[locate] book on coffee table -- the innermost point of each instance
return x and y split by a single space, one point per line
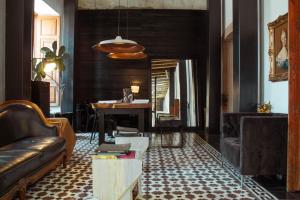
113 148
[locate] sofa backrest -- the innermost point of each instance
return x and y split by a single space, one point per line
231 122
18 121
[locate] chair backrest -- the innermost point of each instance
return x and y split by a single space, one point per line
19 120
231 122
168 121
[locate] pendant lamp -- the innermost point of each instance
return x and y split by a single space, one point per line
127 56
119 45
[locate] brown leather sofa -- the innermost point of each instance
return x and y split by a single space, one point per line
29 147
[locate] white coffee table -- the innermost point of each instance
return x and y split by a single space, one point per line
115 179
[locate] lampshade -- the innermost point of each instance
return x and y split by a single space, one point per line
127 56
118 45
135 89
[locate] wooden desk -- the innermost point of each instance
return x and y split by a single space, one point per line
103 109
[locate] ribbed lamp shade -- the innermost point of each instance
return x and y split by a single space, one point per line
127 56
118 45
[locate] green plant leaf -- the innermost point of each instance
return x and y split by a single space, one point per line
61 51
45 50
50 55
54 46
64 56
62 67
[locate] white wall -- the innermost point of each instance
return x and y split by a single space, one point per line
2 50
276 92
228 13
57 5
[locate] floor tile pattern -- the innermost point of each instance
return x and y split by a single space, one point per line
192 172
255 188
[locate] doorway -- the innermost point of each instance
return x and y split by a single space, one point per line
46 31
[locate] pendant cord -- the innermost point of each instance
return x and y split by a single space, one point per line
119 16
127 20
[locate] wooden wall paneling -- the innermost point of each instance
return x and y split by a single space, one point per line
165 34
293 165
176 34
19 27
214 67
245 58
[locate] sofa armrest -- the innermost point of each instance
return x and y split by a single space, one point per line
65 131
231 124
263 145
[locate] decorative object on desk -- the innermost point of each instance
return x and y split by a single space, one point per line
278 49
121 49
265 107
127 96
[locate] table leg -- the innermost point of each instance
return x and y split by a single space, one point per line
141 121
101 127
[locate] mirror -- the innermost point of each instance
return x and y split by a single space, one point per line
173 91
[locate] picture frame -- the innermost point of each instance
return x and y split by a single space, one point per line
278 49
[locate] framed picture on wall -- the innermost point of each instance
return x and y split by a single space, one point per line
278 49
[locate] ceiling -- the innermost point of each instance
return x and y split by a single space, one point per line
143 4
160 68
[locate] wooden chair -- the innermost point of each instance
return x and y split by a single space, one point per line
165 122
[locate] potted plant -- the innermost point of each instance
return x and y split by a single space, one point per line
53 60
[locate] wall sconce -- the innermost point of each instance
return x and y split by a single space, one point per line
135 89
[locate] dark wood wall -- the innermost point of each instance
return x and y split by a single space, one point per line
245 55
178 34
68 40
18 51
214 67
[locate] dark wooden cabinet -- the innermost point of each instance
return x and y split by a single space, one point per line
40 95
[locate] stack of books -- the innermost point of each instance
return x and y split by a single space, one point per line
114 151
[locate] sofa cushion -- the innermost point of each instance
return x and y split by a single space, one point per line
230 148
48 146
15 164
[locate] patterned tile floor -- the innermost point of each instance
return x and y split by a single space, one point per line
192 172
